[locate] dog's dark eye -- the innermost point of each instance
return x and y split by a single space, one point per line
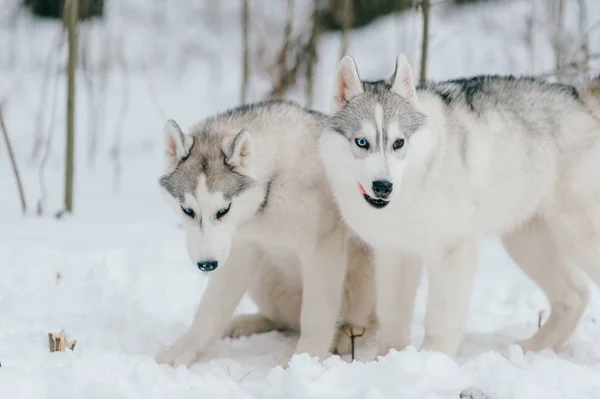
398 144
188 211
362 143
223 212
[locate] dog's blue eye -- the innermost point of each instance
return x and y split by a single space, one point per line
398 144
362 143
188 211
223 212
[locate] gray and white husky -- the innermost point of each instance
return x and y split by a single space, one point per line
258 215
423 173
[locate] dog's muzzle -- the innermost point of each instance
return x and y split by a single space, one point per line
208 266
374 202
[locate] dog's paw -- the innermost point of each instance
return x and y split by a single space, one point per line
311 350
248 324
285 363
184 351
532 344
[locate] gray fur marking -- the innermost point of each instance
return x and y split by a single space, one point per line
349 120
481 92
508 95
207 157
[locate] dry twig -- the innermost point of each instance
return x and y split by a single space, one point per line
349 331
13 162
59 342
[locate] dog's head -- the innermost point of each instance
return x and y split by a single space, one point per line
209 182
367 137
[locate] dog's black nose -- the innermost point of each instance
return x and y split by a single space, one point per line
208 266
382 188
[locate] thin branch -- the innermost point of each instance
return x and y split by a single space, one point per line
154 96
48 143
54 50
284 81
311 48
556 10
13 162
89 86
115 152
585 45
570 65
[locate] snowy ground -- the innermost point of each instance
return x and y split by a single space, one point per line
116 275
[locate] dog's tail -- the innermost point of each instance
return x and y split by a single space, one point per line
589 92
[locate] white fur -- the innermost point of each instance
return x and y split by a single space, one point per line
296 258
540 192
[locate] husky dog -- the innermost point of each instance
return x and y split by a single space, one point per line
423 173
259 216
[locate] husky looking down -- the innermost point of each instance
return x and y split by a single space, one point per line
259 216
423 173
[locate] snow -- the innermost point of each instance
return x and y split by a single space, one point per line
116 275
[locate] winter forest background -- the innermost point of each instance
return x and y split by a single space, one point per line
114 273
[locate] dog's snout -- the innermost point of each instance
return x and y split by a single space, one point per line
382 188
208 266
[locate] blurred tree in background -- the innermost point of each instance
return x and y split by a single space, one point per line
54 8
365 11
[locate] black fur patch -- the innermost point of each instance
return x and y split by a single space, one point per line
446 96
472 90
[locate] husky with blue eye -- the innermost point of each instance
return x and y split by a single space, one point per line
259 217
423 173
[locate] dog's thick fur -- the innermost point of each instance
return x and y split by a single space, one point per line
460 160
256 208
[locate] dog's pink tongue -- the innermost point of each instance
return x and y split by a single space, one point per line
362 189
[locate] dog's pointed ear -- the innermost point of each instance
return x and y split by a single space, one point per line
177 145
239 153
347 84
403 80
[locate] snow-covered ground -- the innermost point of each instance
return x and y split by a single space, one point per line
116 275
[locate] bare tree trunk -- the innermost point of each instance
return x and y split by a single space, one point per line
311 49
583 36
13 162
347 20
70 151
530 36
425 5
246 51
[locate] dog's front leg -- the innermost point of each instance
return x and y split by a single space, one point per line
397 277
322 293
450 286
225 289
